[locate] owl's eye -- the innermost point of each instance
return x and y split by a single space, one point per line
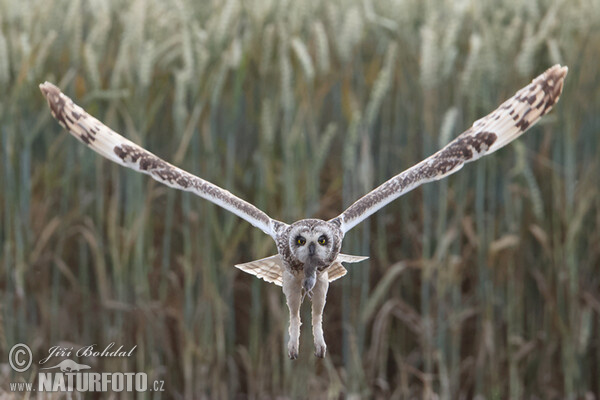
323 240
300 241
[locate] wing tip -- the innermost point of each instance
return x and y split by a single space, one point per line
555 78
557 69
48 88
56 101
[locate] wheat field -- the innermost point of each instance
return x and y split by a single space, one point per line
483 285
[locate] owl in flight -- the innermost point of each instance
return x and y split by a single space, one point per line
308 251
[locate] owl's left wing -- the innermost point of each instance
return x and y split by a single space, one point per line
115 147
488 134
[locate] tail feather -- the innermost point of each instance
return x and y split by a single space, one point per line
271 268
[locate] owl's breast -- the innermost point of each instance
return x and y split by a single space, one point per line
294 265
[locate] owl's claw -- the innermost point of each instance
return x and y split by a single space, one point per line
293 352
320 350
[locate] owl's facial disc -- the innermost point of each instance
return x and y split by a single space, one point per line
312 243
315 244
311 246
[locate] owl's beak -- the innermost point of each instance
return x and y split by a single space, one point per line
311 249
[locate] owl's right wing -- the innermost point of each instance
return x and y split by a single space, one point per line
116 148
488 134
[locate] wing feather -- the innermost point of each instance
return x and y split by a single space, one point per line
116 148
488 134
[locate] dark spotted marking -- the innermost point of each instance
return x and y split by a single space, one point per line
120 152
87 138
551 89
489 138
168 173
336 222
523 124
183 181
57 104
540 103
463 146
148 162
443 166
58 108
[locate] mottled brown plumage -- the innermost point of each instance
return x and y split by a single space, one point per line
309 250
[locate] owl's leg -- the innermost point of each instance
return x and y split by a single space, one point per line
292 288
318 304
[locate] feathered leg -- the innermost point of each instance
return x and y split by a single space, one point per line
292 288
318 304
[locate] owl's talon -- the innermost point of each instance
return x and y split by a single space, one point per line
320 350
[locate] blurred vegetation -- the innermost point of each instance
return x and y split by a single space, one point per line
486 283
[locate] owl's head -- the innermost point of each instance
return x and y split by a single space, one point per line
316 244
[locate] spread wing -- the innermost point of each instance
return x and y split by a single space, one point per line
115 147
488 134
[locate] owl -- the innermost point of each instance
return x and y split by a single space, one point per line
308 251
